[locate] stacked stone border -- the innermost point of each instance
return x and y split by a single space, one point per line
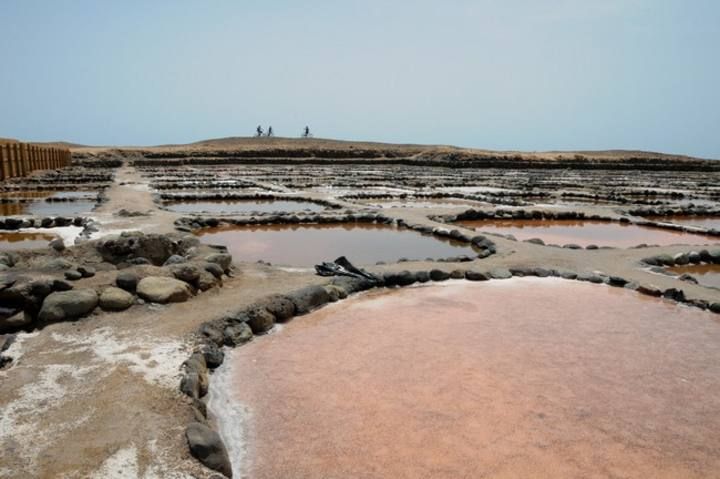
537 214
239 327
232 196
480 245
659 263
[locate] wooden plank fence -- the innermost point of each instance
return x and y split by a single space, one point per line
20 159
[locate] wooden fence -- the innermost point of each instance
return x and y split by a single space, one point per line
19 159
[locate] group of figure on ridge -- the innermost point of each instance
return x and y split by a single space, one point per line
259 132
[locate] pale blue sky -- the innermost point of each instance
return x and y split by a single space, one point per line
517 74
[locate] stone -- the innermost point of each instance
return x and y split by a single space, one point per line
714 307
617 281
57 244
61 285
649 290
439 275
471 275
665 260
537 241
174 259
212 333
196 364
127 280
214 269
237 334
422 276
542 272
260 320
206 281
185 272
16 322
500 273
214 356
681 259
207 447
308 298
457 274
65 305
86 271
282 308
674 294
73 275
694 257
115 299
222 259
159 289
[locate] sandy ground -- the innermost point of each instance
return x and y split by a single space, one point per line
98 397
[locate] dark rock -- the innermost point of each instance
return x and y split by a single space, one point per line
457 274
127 281
439 275
57 244
537 241
174 259
237 334
649 290
681 259
86 271
212 332
60 285
541 272
260 320
308 298
214 356
422 276
694 257
471 275
207 447
185 272
16 322
714 307
280 307
674 294
214 269
617 281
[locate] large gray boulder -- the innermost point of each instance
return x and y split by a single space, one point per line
159 289
65 305
207 447
115 299
222 259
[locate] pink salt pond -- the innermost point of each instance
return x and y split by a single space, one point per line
586 232
527 377
308 245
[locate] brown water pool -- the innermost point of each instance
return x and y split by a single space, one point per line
584 233
242 206
308 245
17 240
706 274
500 379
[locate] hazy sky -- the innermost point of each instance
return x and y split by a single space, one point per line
530 75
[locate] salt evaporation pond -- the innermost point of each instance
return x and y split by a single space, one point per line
527 377
706 274
242 206
424 203
587 232
308 245
81 202
19 240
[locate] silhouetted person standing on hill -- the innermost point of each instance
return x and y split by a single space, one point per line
306 132
270 132
259 131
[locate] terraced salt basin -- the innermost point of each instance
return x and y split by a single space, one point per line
706 274
71 203
587 232
242 206
526 377
311 244
20 240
